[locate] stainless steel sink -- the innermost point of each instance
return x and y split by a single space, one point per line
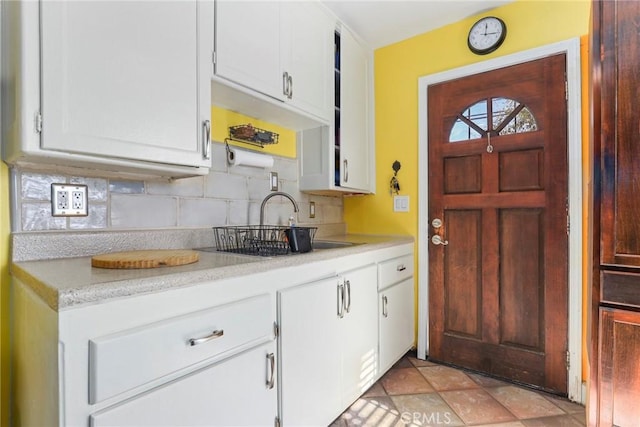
327 244
316 245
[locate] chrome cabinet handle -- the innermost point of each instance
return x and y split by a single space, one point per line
285 84
206 139
385 310
437 240
346 170
401 267
290 87
215 334
347 285
271 377
340 300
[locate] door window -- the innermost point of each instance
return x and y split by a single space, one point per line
507 116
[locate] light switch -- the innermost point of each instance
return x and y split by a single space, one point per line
274 181
401 203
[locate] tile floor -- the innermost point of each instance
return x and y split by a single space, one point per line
421 393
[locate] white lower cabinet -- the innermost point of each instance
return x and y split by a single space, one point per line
239 391
396 308
209 355
396 322
328 346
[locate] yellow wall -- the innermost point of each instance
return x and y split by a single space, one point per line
221 119
397 68
4 295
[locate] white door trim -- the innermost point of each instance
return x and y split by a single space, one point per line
571 48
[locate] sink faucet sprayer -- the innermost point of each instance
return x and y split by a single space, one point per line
270 195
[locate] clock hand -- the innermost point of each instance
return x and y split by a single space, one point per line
495 32
486 27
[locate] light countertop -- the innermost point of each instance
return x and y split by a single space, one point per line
66 282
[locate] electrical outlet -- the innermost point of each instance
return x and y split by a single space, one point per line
312 209
69 200
274 181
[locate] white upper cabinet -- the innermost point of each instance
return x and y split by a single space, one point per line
354 144
248 45
340 158
308 57
123 86
279 49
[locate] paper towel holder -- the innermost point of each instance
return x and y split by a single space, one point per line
238 157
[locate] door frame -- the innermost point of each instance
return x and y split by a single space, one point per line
571 48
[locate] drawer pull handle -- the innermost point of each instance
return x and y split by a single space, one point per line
347 306
340 300
272 369
401 267
215 334
385 309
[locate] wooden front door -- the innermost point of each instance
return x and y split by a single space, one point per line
498 255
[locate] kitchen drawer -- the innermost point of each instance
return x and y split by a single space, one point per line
128 359
394 270
620 288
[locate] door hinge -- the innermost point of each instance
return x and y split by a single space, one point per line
276 422
568 361
38 122
568 225
214 57
276 330
566 90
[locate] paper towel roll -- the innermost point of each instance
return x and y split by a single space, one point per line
237 157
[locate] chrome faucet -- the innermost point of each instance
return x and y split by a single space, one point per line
270 195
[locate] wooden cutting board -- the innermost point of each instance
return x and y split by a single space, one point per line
145 259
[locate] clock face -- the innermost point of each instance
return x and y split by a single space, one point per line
486 35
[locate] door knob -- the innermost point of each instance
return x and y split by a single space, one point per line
437 240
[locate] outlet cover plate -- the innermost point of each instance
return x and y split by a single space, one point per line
274 181
69 200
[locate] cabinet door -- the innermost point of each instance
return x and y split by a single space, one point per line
233 392
354 105
620 235
619 387
248 43
396 316
310 353
128 80
308 55
359 333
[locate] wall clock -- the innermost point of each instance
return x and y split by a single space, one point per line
486 35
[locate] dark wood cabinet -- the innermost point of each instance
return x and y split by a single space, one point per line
615 294
619 388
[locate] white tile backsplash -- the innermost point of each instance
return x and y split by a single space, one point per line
186 187
97 219
238 212
226 186
227 196
37 216
37 186
202 212
125 187
143 211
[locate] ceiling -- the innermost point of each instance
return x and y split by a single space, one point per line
383 22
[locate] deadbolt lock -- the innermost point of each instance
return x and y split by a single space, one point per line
436 223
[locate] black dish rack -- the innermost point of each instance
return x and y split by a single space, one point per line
264 240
